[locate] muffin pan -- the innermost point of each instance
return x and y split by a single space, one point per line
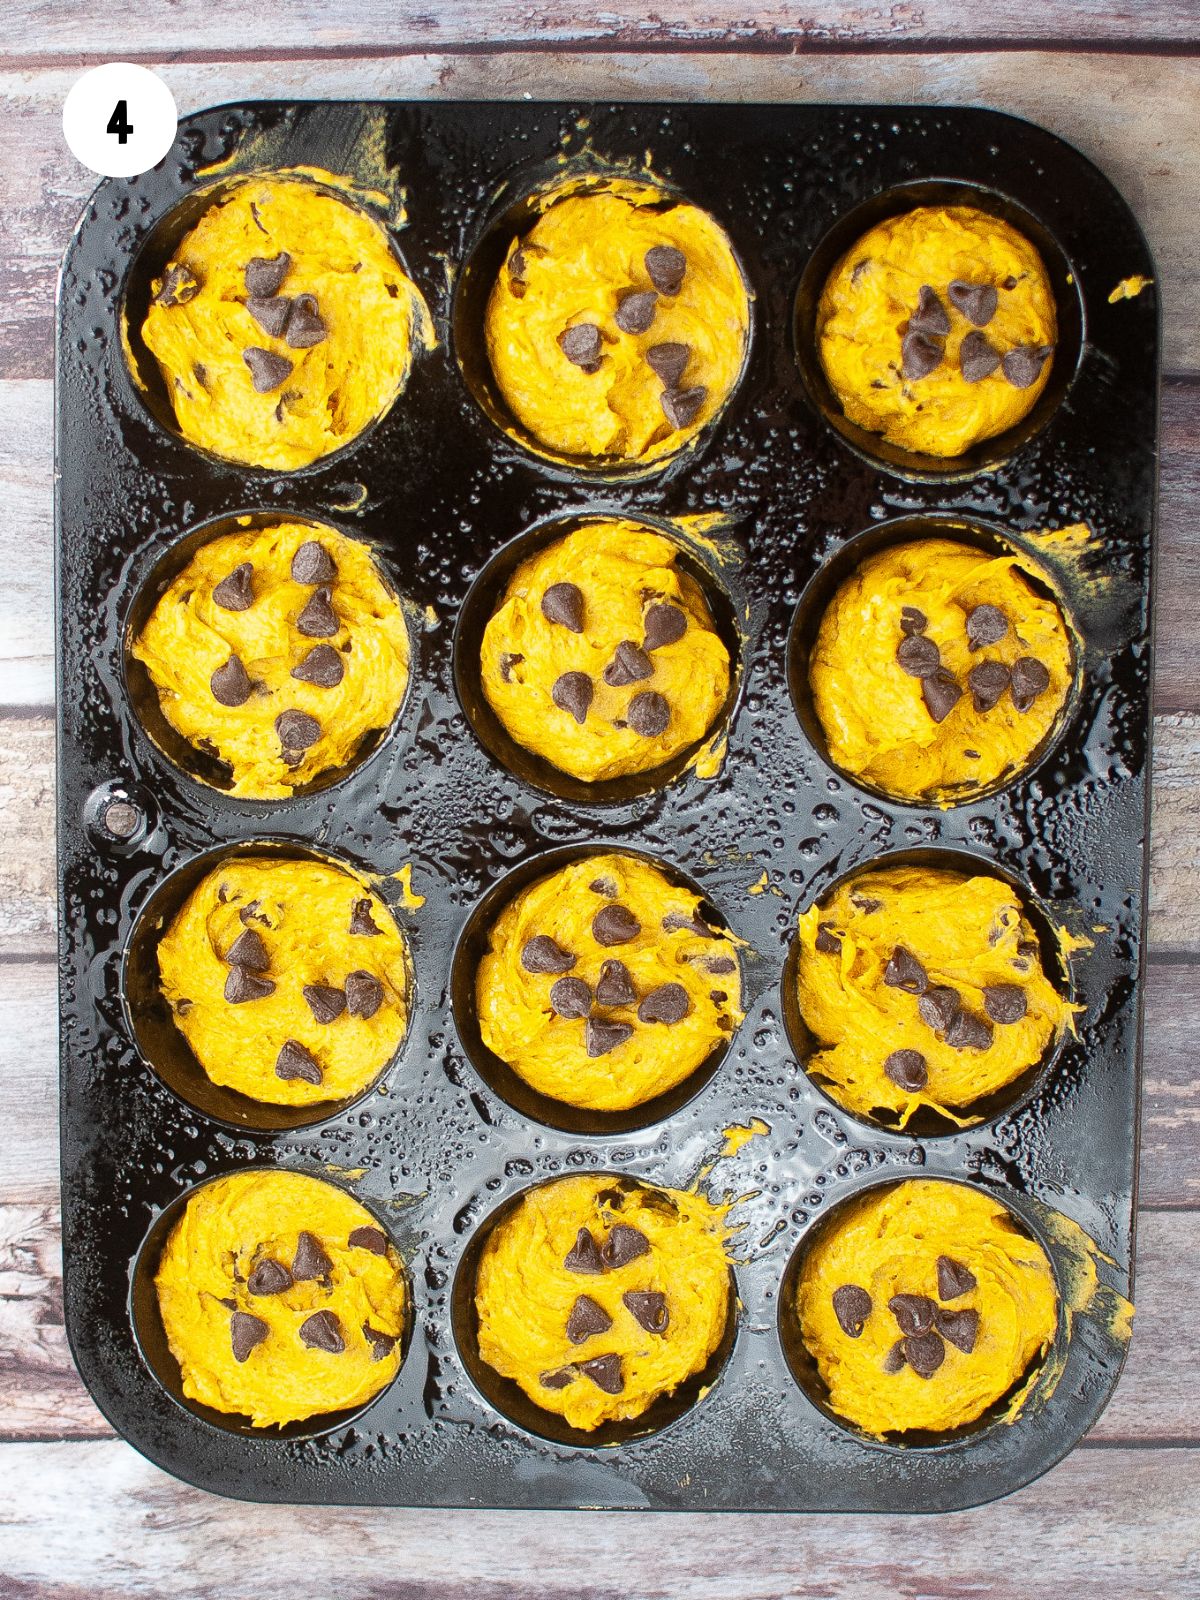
440 491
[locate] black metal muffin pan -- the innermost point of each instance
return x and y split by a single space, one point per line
439 490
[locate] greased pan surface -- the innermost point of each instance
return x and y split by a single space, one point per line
437 489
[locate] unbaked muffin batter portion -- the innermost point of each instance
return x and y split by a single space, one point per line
924 1304
288 978
617 326
939 669
597 1296
937 329
277 649
283 324
281 1297
602 656
923 987
603 986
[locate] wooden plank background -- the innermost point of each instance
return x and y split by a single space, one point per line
80 1513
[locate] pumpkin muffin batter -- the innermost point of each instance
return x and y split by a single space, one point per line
278 649
602 657
923 987
938 669
281 1297
937 329
597 1296
289 979
617 326
283 324
923 1304
603 986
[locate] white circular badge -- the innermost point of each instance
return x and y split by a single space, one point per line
119 119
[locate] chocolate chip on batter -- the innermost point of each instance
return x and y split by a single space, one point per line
938 1007
248 950
907 1069
1029 680
719 964
615 924
917 655
230 684
245 1332
913 620
668 361
675 921
629 664
615 986
905 972
582 345
267 370
269 1277
865 902
852 1307
978 358
986 624
305 326
323 1331
649 714
313 564
518 263
322 666
666 266
681 406
941 692
573 692
364 994
297 730
667 1004
913 1312
265 274
563 603
976 301
271 315
587 1319
382 1344
920 355
987 682
953 1278
648 1308
605 1372
294 1061
325 1002
895 1360
924 1353
605 887
179 285
310 1260
318 620
372 1239
969 1032
931 316
663 624
623 1245
508 661
361 921
584 1255
241 986
544 954
635 311
827 941
234 592
961 1328
1005 1002
601 1037
571 998
1023 366
559 1379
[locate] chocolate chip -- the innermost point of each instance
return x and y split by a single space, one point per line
245 1332
507 662
953 1278
1029 680
265 274
563 603
907 1069
318 620
648 1308
663 624
986 624
269 1277
961 1328
605 1373
719 964
267 370
178 287
912 620
230 684
271 315
895 1360
322 665
913 1312
604 886
969 1032
939 1007
573 693
668 361
865 903
920 355
382 1344
544 954
930 317
917 655
248 950
1023 366
924 1353
241 986
976 301
615 986
852 1307
827 941
325 1002
323 1331
668 1004
681 406
1005 1002
587 1319
649 714
987 681
666 266
294 1061
623 1245
310 1260
674 921
372 1239
584 1255
581 345
234 593
615 924
518 263
297 730
364 994
977 357
313 564
905 972
559 1379
601 1037
571 998
635 312
305 326
629 664
941 692
361 920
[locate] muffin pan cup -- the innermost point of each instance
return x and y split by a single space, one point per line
438 490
